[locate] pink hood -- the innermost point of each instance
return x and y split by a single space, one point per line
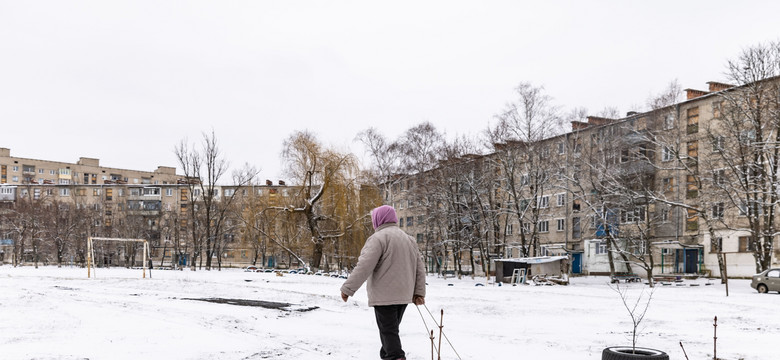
383 215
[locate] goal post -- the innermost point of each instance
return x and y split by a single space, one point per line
91 252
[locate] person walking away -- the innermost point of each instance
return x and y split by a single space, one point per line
391 262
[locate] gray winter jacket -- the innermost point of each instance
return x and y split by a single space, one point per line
391 262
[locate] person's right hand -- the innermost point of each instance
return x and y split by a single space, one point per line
418 300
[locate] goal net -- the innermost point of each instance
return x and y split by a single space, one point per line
91 252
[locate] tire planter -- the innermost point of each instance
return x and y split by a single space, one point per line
629 353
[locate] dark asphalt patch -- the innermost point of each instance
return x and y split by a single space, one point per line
258 303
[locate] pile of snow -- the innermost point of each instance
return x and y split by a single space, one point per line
58 313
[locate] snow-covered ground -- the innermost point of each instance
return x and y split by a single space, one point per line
58 313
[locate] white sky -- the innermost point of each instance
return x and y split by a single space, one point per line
125 81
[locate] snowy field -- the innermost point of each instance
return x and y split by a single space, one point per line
53 313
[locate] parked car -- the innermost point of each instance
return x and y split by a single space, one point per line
767 281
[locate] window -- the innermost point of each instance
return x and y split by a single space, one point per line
509 229
401 222
624 155
717 210
525 227
64 192
36 194
15 169
544 226
151 191
168 192
576 232
419 238
667 184
752 207
196 192
561 148
95 192
719 177
669 122
401 204
523 204
692 221
746 244
664 214
524 180
560 200
693 120
6 190
230 192
544 202
410 221
109 194
15 179
634 215
561 224
576 206
693 150
419 220
40 171
773 274
717 143
667 154
747 137
601 247
716 245
693 187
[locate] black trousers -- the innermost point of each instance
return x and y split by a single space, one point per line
388 318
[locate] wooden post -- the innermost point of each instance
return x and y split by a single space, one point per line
441 325
144 260
715 340
432 345
726 273
89 256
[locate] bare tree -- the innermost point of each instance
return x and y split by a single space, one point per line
204 168
745 155
522 155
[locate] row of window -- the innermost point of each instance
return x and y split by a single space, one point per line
409 221
542 226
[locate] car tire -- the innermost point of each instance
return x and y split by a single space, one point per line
762 289
629 353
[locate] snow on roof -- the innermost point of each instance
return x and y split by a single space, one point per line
534 260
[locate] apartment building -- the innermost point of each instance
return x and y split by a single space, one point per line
154 205
657 178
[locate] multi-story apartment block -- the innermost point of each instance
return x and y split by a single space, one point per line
154 205
663 189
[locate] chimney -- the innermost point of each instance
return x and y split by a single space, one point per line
281 183
693 93
578 125
631 113
716 86
269 183
5 152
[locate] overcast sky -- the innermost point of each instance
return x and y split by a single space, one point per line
126 81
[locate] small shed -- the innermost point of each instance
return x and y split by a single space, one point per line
542 265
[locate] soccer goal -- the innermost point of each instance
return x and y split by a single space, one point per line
91 252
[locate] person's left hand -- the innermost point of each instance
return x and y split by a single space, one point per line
344 297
